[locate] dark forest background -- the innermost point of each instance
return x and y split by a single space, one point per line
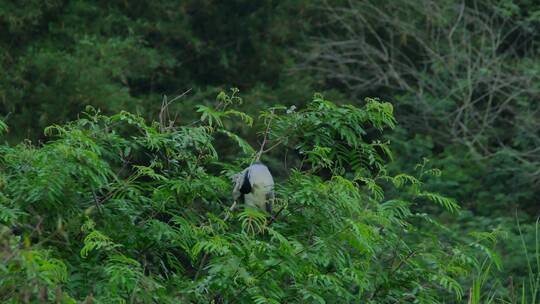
463 78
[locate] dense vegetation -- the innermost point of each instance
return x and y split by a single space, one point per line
116 155
115 208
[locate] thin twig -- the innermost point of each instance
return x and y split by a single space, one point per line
164 111
391 273
266 132
273 219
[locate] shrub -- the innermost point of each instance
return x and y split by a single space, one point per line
115 209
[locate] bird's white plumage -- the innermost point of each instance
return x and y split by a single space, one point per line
262 186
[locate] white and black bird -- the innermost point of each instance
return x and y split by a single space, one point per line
254 186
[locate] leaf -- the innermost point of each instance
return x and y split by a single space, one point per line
243 116
3 127
96 240
253 221
244 145
447 203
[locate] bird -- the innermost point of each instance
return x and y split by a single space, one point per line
254 187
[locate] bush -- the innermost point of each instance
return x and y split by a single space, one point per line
115 209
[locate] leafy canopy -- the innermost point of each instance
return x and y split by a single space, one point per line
115 209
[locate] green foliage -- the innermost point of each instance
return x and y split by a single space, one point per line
125 55
3 127
463 78
136 210
467 99
114 209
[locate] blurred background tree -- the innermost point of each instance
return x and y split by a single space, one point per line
58 56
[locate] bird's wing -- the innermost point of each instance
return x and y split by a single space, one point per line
238 180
